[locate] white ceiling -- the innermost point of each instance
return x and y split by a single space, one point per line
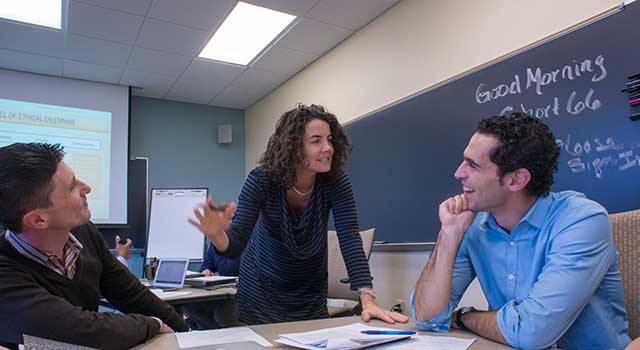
152 45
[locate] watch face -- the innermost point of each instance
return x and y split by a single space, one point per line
466 309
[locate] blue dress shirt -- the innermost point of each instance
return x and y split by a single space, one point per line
219 263
554 279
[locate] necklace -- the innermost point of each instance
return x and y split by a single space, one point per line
302 193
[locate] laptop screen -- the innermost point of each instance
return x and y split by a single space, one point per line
171 272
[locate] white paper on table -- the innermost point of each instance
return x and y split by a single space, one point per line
166 295
429 342
288 342
344 337
219 336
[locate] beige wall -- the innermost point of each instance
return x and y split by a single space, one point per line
414 45
395 274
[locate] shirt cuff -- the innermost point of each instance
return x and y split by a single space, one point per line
123 261
440 323
508 321
159 321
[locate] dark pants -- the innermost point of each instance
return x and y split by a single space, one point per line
212 315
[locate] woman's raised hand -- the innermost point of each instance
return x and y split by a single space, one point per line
213 219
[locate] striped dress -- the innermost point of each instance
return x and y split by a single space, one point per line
283 273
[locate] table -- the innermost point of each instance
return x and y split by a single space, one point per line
197 295
271 332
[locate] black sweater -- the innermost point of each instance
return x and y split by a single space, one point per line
37 301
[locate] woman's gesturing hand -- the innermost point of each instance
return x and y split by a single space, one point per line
213 219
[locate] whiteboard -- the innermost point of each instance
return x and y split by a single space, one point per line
170 234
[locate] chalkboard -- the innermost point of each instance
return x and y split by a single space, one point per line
137 192
404 156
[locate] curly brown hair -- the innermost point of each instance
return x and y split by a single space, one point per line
285 150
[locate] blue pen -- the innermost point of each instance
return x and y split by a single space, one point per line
389 332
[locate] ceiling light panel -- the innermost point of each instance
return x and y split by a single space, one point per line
47 13
245 33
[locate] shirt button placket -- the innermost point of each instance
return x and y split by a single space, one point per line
511 277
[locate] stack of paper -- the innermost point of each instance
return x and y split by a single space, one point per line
339 338
206 281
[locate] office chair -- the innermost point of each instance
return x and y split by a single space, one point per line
626 234
342 300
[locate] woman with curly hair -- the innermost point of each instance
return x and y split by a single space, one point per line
281 224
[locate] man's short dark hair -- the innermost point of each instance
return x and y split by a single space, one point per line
26 170
524 142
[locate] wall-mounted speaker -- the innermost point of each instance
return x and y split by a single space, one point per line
224 133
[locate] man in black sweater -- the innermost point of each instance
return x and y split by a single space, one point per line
54 264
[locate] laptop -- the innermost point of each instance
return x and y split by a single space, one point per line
170 274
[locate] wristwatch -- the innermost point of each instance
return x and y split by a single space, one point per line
461 311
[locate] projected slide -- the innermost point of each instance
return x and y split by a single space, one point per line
85 135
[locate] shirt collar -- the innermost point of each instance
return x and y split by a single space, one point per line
535 216
26 249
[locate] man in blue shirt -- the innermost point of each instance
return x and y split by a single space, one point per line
215 315
546 262
224 266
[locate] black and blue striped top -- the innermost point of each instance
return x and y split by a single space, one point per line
283 273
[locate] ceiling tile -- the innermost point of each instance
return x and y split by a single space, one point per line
170 37
102 34
313 37
202 14
252 85
23 37
283 60
203 69
167 64
153 85
93 72
203 80
138 7
80 48
99 22
293 7
30 63
147 93
259 80
232 97
351 14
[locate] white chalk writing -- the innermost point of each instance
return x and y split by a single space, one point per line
536 79
599 157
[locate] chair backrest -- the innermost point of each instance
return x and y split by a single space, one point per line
338 270
626 234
